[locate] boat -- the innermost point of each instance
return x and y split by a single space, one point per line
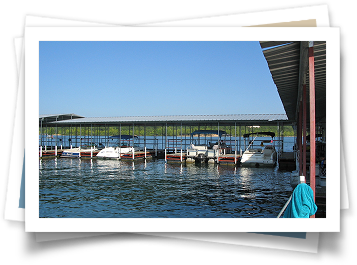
80 152
263 154
87 149
123 146
205 153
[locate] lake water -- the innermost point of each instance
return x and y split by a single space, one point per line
94 188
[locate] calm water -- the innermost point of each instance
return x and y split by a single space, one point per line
74 188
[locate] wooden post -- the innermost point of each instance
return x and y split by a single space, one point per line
312 118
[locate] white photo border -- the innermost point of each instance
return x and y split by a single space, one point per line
33 35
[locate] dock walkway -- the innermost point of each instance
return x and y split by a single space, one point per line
176 157
136 155
228 159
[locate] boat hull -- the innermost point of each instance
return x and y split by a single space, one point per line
114 152
259 164
79 153
110 153
258 160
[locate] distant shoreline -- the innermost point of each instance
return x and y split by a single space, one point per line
183 135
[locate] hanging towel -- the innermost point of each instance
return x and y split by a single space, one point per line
302 203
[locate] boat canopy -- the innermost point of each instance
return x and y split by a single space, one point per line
209 132
271 134
123 137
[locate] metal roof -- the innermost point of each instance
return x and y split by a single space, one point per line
288 64
58 117
260 119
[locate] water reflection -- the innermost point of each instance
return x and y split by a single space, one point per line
94 188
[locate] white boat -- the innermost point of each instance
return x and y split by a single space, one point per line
261 155
205 153
119 147
201 154
79 152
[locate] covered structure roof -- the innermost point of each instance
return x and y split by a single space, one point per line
251 119
58 117
288 64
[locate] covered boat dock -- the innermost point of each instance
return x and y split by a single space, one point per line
299 72
157 133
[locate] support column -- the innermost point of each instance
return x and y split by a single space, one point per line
299 140
181 136
133 141
119 155
145 138
312 118
165 137
304 130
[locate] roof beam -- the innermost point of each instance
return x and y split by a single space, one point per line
303 68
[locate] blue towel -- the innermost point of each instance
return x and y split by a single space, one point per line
302 203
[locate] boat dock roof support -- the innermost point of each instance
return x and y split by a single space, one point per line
312 118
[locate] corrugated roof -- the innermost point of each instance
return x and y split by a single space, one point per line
252 118
57 117
284 62
287 62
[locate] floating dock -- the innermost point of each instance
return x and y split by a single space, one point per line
136 155
50 153
176 157
232 159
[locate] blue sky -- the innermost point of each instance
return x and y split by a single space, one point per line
108 79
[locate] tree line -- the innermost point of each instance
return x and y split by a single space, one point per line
162 130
